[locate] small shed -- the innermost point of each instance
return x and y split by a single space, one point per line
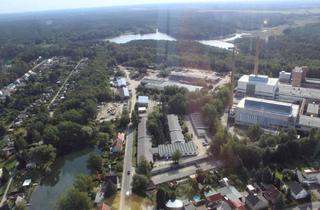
26 183
143 101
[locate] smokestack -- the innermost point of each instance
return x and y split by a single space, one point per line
256 60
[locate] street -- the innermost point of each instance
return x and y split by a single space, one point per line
127 159
4 197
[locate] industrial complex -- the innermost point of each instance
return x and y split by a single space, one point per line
290 101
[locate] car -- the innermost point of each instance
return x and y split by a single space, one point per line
128 172
205 144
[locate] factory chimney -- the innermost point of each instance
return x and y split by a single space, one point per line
256 60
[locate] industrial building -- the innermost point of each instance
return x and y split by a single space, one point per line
258 86
266 113
161 84
167 150
124 93
175 130
144 149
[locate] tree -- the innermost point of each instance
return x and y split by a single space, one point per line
139 184
177 104
2 129
43 155
22 205
94 163
161 198
176 156
51 135
135 118
125 119
74 199
144 167
254 132
20 144
84 183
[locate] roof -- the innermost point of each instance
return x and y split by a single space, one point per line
259 79
144 142
99 197
271 193
186 149
121 81
143 99
230 191
160 84
298 92
175 130
295 188
174 204
121 136
176 137
173 123
104 206
118 144
313 109
256 202
271 106
213 196
125 92
26 182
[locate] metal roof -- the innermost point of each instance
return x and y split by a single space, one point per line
144 149
125 92
143 99
173 123
186 149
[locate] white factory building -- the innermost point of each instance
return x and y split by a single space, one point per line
266 113
258 86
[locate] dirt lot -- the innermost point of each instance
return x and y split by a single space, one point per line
109 111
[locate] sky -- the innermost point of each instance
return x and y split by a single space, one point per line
17 6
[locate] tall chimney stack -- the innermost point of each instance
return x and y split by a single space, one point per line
256 61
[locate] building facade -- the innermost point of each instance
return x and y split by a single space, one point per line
266 113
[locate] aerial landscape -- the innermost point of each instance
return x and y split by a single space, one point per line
159 105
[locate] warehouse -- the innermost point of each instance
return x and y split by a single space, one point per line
258 86
175 130
266 113
161 84
186 149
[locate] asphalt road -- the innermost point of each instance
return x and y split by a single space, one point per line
127 166
127 162
4 197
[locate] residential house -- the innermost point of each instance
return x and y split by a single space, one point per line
310 176
118 143
296 191
256 202
112 177
143 101
232 196
174 205
213 196
272 194
104 206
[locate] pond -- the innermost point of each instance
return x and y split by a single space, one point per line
60 179
225 43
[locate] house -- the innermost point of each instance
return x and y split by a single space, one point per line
213 196
232 196
143 101
271 194
311 176
26 183
256 202
103 206
118 143
112 177
99 197
124 93
296 191
120 82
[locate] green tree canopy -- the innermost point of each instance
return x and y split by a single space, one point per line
74 199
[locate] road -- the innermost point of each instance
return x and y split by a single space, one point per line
127 166
4 197
65 82
127 161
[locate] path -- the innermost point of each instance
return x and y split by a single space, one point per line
4 197
65 82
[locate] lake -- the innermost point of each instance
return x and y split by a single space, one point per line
60 179
225 43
